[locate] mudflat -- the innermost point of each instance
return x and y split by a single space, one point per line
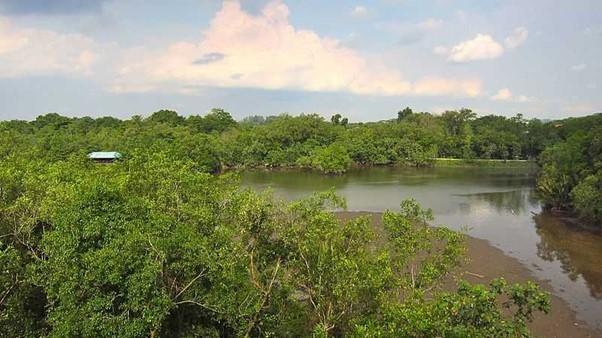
486 262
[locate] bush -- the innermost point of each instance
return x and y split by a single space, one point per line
587 198
332 159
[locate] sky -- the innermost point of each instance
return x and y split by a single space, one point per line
363 59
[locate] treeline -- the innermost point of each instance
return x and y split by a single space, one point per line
568 151
571 169
156 247
216 141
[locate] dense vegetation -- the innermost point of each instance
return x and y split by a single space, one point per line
571 174
569 180
157 246
571 163
215 141
154 247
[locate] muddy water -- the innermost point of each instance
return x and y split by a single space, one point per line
498 205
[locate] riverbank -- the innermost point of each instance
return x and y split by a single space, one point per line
487 163
486 263
436 162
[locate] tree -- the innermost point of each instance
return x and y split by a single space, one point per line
336 119
402 114
456 121
218 120
52 120
166 116
332 159
107 122
587 198
458 133
562 166
254 120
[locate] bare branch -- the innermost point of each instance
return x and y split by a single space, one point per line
189 284
204 306
266 296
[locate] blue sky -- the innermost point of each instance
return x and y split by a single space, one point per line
365 60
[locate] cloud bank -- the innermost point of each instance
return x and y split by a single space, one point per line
27 52
266 51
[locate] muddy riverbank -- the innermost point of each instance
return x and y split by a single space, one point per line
486 262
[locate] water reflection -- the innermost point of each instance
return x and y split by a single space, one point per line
579 251
382 188
514 201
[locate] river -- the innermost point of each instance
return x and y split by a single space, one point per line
495 204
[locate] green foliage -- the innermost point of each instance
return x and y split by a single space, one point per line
587 198
554 186
157 246
571 169
148 249
21 303
402 114
336 119
154 246
166 116
218 120
332 159
217 142
471 311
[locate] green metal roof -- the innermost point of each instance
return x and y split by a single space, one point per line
104 155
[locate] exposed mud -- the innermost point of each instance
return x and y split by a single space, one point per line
485 263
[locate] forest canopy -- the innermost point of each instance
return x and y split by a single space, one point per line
155 247
218 141
159 244
567 151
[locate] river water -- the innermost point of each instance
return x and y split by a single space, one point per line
495 204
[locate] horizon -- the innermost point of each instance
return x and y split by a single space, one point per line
240 119
364 60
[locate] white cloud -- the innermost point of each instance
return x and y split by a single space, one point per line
505 94
481 47
517 38
28 51
266 51
359 12
578 67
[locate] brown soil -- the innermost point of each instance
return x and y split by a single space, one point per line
486 263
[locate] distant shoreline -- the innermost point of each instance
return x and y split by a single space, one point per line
495 163
436 163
